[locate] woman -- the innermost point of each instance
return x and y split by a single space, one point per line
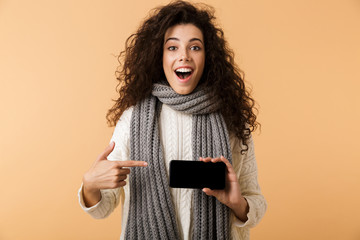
181 97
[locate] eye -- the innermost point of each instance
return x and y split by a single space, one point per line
172 48
195 48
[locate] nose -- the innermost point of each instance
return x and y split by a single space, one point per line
184 57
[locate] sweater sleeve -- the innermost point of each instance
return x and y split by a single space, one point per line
246 170
110 198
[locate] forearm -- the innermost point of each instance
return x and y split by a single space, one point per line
90 197
241 209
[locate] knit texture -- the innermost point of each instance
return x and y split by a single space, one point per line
151 207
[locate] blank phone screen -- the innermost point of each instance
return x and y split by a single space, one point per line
197 174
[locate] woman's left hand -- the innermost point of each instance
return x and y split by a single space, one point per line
230 196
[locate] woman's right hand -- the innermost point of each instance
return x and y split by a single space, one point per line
105 174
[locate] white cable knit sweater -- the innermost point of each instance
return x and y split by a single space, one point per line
175 136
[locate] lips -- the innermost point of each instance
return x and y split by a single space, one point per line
183 73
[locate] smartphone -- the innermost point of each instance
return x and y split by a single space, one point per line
197 174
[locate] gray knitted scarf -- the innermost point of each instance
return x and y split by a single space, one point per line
152 213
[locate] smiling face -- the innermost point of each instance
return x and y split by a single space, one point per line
183 57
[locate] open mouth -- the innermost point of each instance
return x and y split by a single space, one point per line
183 73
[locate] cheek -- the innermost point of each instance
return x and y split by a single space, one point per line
201 63
166 63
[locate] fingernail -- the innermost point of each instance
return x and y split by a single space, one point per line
145 164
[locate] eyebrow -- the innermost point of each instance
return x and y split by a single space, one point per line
176 39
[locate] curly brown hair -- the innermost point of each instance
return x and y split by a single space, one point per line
140 66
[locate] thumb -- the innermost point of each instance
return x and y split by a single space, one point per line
211 192
107 151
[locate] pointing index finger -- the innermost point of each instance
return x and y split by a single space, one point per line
132 163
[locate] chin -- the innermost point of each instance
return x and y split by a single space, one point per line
183 90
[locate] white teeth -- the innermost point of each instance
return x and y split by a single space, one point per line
183 70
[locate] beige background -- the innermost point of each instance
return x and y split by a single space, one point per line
57 63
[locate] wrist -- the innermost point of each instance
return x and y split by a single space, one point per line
89 190
91 196
239 203
88 187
